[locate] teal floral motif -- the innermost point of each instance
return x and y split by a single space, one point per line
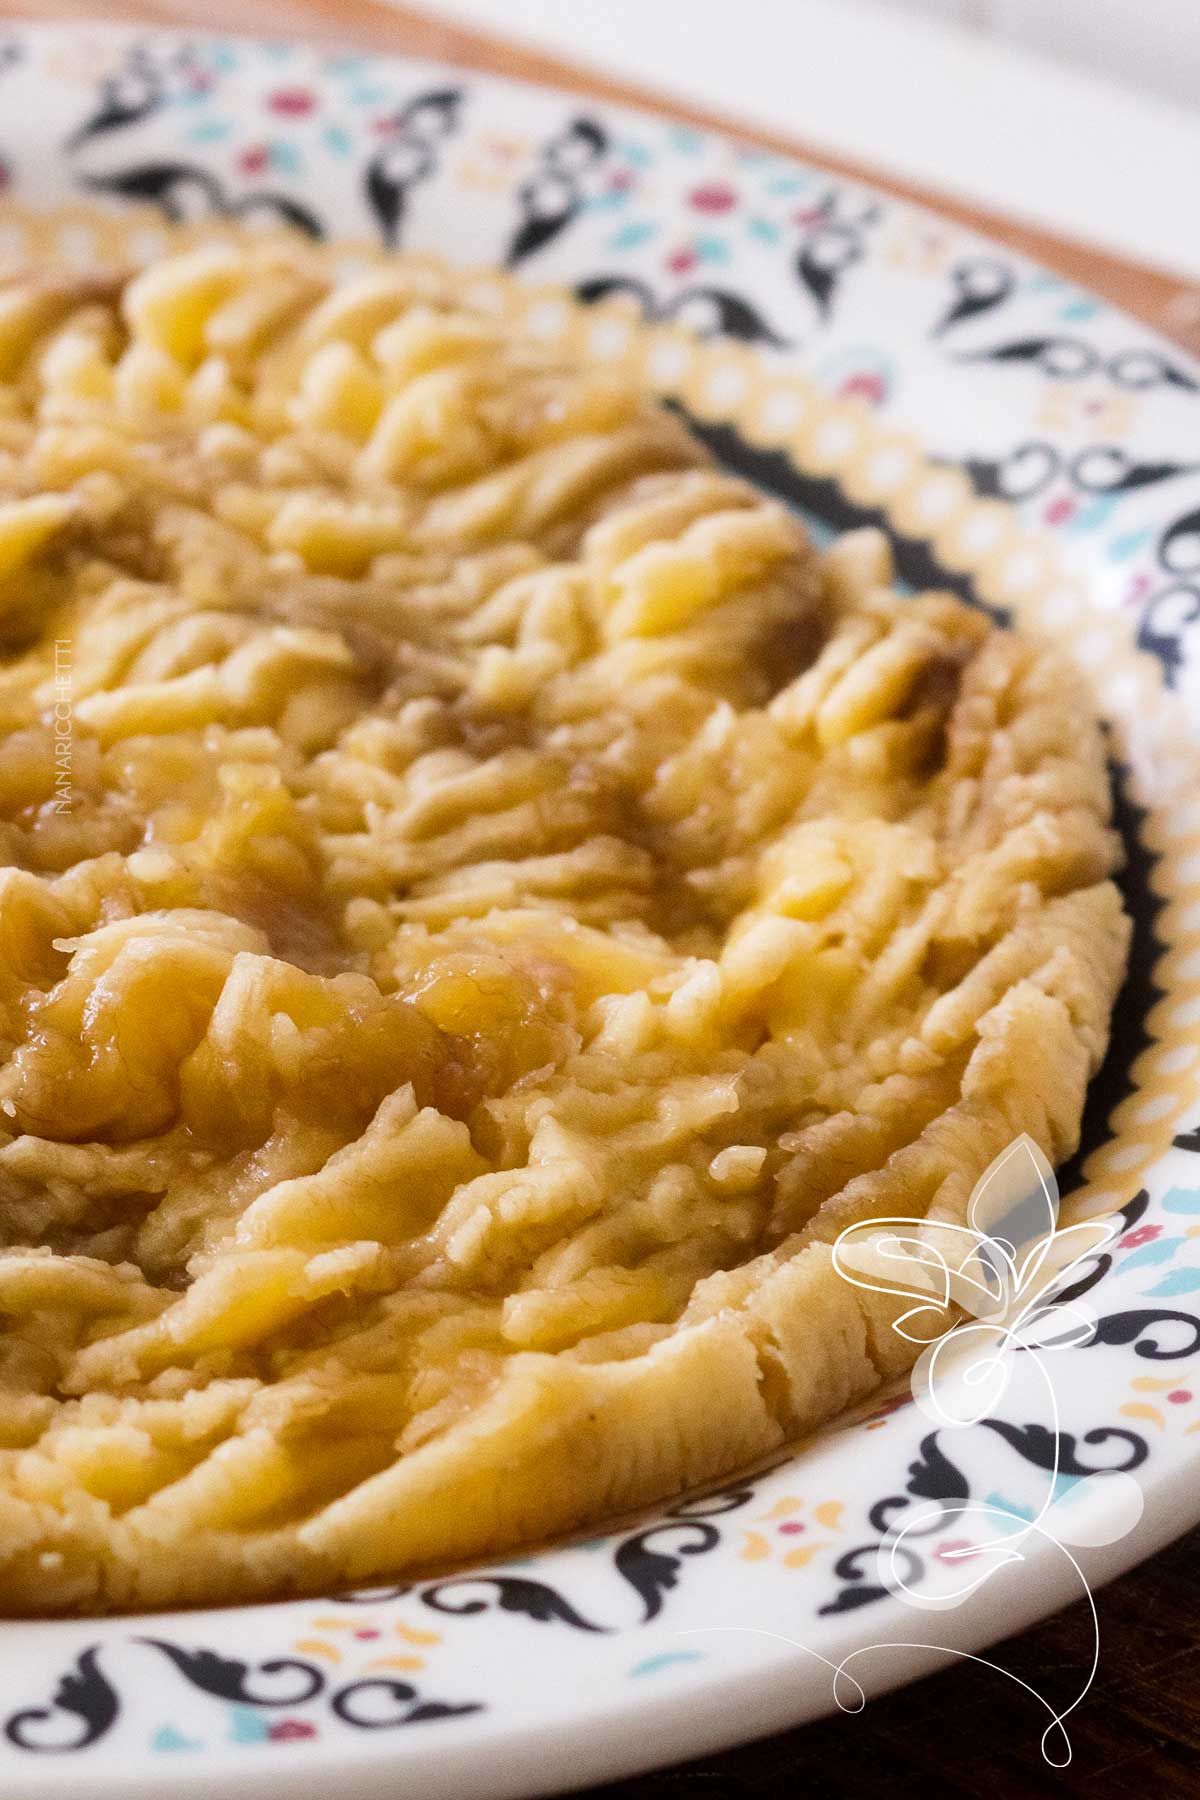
1181 1200
1005 1513
1154 1253
286 158
1095 515
636 154
712 249
765 230
652 1664
247 1726
209 131
637 231
1043 282
168 1737
784 186
1179 1281
609 200
686 139
1159 1250
1121 549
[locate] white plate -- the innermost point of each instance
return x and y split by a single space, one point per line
1019 440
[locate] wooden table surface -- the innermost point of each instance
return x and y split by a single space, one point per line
966 1732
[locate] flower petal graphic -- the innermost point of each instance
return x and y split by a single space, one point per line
972 1564
961 1379
1100 1509
1014 1208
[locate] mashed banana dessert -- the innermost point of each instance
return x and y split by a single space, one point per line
484 902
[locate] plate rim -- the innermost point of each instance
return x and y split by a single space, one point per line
704 360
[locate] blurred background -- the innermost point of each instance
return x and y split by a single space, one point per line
1154 44
1081 116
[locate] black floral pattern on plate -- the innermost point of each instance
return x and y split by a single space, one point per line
409 156
708 311
86 1703
554 195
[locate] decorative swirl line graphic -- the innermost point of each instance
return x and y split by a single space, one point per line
1016 1277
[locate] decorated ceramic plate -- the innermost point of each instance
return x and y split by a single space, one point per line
1021 444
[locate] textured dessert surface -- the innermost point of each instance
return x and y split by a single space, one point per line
483 904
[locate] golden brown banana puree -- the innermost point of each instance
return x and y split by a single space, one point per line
483 904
